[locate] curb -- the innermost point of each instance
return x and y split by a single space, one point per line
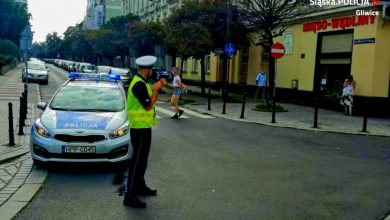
286 126
29 188
6 157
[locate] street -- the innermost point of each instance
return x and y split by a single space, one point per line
220 169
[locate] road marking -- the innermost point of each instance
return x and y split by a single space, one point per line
162 110
195 113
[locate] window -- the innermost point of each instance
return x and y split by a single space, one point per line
194 65
185 65
207 63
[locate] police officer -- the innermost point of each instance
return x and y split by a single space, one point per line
141 114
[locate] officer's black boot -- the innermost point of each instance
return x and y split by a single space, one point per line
133 201
146 191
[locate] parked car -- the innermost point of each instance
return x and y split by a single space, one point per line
125 73
86 68
36 72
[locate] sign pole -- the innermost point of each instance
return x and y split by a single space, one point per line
274 95
277 52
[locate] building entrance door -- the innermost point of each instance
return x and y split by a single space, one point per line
333 63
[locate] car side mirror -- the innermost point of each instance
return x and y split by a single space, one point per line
41 105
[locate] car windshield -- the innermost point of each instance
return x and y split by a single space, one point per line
36 66
77 98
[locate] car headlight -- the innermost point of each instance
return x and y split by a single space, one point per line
41 130
122 131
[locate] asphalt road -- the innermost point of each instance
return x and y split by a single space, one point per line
221 169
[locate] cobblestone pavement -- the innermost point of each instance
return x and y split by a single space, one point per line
13 175
11 88
18 184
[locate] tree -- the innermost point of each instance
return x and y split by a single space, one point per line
13 18
39 50
144 36
8 52
211 16
53 42
269 19
119 26
189 39
102 45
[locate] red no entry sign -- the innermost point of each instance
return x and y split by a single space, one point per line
277 50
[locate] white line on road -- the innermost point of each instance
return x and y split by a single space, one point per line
195 113
162 110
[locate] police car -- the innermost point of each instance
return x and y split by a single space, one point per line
85 121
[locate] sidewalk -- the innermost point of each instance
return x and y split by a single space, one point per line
298 116
19 181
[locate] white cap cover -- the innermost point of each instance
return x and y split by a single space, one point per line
146 61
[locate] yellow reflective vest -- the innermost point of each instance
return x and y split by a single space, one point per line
138 116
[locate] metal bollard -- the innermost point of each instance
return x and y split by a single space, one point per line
315 113
273 109
224 102
243 105
209 100
365 115
21 113
21 123
11 125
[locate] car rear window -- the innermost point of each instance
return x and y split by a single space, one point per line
36 66
78 98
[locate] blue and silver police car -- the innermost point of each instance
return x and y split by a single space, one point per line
85 121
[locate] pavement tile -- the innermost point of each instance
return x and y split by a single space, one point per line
9 209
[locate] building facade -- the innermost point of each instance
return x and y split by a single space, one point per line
322 49
100 11
151 10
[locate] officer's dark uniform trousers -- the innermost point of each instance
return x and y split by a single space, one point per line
141 141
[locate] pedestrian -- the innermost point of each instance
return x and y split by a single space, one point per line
178 86
141 113
261 84
349 87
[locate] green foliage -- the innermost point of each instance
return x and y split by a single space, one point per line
263 106
13 18
53 42
8 52
143 36
184 101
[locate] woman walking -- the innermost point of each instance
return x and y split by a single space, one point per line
177 89
347 97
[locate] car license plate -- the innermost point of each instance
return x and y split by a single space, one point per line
79 149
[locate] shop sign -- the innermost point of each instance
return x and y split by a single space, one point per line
288 43
336 23
364 41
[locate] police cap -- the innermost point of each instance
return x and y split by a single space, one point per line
146 61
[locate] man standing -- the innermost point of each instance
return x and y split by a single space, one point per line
261 83
141 114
